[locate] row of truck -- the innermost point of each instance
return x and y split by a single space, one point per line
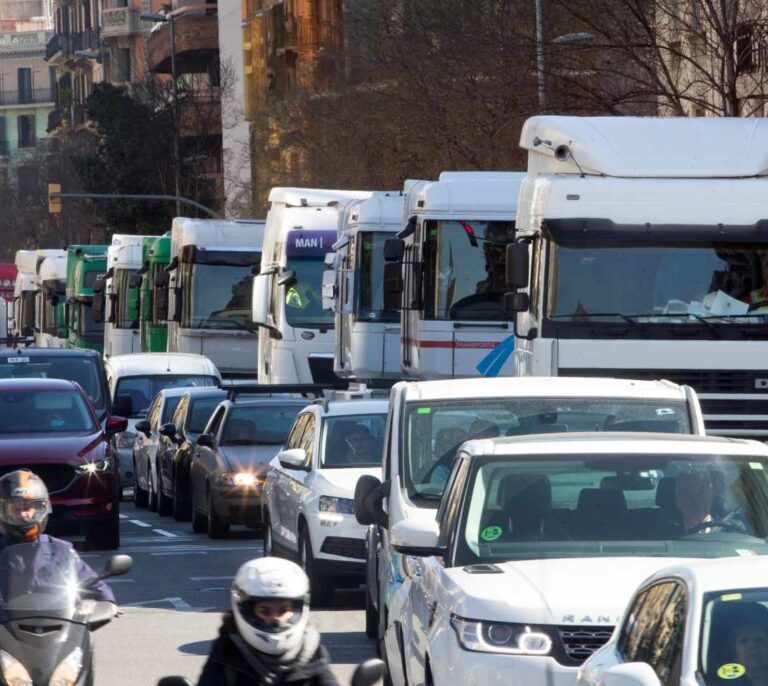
631 247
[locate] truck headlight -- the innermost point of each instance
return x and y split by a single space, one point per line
336 505
499 637
93 467
14 673
244 479
68 669
125 439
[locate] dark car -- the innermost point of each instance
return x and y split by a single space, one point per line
175 446
231 460
51 427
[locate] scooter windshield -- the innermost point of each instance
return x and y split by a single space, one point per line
38 580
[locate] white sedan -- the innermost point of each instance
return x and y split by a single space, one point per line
310 486
702 623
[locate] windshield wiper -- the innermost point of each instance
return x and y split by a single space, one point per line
626 317
230 323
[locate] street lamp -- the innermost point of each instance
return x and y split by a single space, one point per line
158 18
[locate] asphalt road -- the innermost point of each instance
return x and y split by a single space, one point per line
173 598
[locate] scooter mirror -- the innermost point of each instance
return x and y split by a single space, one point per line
174 681
368 673
118 564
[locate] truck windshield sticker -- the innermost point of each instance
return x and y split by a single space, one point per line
309 243
732 670
491 533
756 465
16 360
728 597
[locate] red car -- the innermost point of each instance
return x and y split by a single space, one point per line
51 427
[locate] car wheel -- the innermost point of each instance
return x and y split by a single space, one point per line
140 496
320 590
217 526
181 509
107 538
371 617
199 523
164 503
152 490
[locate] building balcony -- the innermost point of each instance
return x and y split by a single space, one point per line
57 48
55 118
118 22
36 96
197 41
200 114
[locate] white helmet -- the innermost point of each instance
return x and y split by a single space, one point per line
271 578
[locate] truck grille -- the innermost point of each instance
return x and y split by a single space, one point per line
580 642
56 477
734 402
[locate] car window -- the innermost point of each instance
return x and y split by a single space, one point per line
308 439
296 432
259 424
213 424
170 407
655 629
141 389
353 440
154 412
180 412
449 507
44 411
200 412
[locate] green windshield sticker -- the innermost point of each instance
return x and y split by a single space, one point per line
491 533
733 670
424 410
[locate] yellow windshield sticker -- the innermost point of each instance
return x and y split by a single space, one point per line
730 596
733 670
491 533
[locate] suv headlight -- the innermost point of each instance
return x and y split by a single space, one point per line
14 673
68 669
93 467
499 637
125 439
245 479
336 505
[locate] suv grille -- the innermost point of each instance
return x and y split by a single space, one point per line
56 477
344 547
581 641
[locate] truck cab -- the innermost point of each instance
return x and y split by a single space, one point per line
448 274
23 323
50 305
367 342
85 263
641 253
209 291
153 298
296 337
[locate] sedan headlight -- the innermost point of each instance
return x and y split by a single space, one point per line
68 669
93 467
244 479
14 673
125 439
336 505
498 637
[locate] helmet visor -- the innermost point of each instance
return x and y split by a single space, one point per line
272 615
19 512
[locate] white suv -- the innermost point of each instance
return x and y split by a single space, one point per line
309 490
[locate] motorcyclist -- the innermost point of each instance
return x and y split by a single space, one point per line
24 510
266 639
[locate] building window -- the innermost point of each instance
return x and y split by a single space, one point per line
4 147
123 65
26 131
53 84
25 84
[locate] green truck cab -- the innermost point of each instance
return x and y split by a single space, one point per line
84 264
154 294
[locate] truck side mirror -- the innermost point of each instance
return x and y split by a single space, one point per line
134 280
112 317
517 266
260 298
516 302
175 316
329 290
98 305
394 248
393 285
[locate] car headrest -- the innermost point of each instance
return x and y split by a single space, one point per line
525 493
665 493
601 500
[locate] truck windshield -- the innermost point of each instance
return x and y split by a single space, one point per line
435 430
465 269
86 325
216 296
370 276
658 284
303 301
553 506
127 313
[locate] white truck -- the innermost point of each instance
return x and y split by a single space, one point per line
296 335
51 295
367 341
447 273
209 291
121 290
642 252
23 322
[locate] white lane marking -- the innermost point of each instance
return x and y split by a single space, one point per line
181 552
138 522
120 581
165 533
211 578
179 604
123 516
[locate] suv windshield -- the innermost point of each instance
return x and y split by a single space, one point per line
435 430
554 506
85 370
44 411
142 389
260 424
353 440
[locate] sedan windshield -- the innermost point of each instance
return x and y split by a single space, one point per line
260 424
734 635
143 389
555 506
435 430
354 440
31 411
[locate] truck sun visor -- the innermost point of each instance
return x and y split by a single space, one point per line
573 232
309 243
192 254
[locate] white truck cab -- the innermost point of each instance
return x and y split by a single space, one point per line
367 343
641 253
209 291
51 294
23 323
429 420
447 274
121 290
296 335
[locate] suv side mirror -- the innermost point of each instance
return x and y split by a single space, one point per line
369 672
145 427
115 425
417 538
369 496
168 430
630 674
122 406
394 249
206 441
295 458
517 271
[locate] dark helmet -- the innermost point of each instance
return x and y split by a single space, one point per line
24 505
